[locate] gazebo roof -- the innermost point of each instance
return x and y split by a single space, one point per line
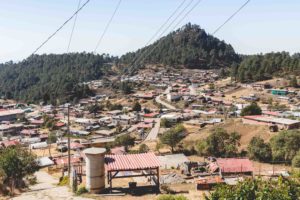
131 162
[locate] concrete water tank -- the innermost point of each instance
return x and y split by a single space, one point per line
95 173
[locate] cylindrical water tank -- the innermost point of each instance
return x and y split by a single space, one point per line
95 173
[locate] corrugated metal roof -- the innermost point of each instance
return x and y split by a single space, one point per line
272 119
235 165
11 112
131 162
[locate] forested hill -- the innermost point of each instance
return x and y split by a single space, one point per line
189 46
265 66
52 78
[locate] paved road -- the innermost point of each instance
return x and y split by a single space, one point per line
154 131
46 189
169 106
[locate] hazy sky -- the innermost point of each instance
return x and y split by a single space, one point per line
262 26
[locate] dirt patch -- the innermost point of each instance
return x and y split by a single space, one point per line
247 132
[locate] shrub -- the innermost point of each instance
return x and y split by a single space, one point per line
81 190
171 197
173 136
143 148
165 123
252 109
285 145
259 150
257 189
296 160
64 181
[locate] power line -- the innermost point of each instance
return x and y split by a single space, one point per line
235 13
185 15
166 29
161 27
55 32
71 36
107 25
193 7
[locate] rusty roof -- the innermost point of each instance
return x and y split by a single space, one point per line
235 165
131 162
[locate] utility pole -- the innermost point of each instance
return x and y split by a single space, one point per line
69 153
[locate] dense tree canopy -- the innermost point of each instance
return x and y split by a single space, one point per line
190 46
259 150
262 67
285 145
52 78
221 144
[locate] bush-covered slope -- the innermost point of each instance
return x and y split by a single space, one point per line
265 66
189 46
52 77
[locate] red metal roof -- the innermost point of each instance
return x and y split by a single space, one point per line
10 143
150 114
131 162
59 124
143 125
76 145
235 165
270 113
37 122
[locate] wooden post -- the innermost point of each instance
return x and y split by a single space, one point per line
110 182
69 144
157 173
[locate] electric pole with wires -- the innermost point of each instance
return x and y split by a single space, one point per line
69 143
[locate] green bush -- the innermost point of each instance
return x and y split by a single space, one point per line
285 145
252 109
143 148
64 181
165 123
171 197
280 189
81 190
296 160
259 150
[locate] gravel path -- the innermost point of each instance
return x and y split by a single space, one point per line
46 189
169 106
154 131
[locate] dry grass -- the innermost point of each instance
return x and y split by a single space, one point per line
247 132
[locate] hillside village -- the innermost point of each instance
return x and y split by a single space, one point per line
147 138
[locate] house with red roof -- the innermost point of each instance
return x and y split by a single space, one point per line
232 166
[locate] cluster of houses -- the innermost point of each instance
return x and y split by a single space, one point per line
25 125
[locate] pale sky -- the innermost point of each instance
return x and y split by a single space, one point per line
262 26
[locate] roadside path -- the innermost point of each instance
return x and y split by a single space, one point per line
169 106
46 189
154 131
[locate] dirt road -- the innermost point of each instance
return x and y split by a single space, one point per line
47 189
169 106
154 131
